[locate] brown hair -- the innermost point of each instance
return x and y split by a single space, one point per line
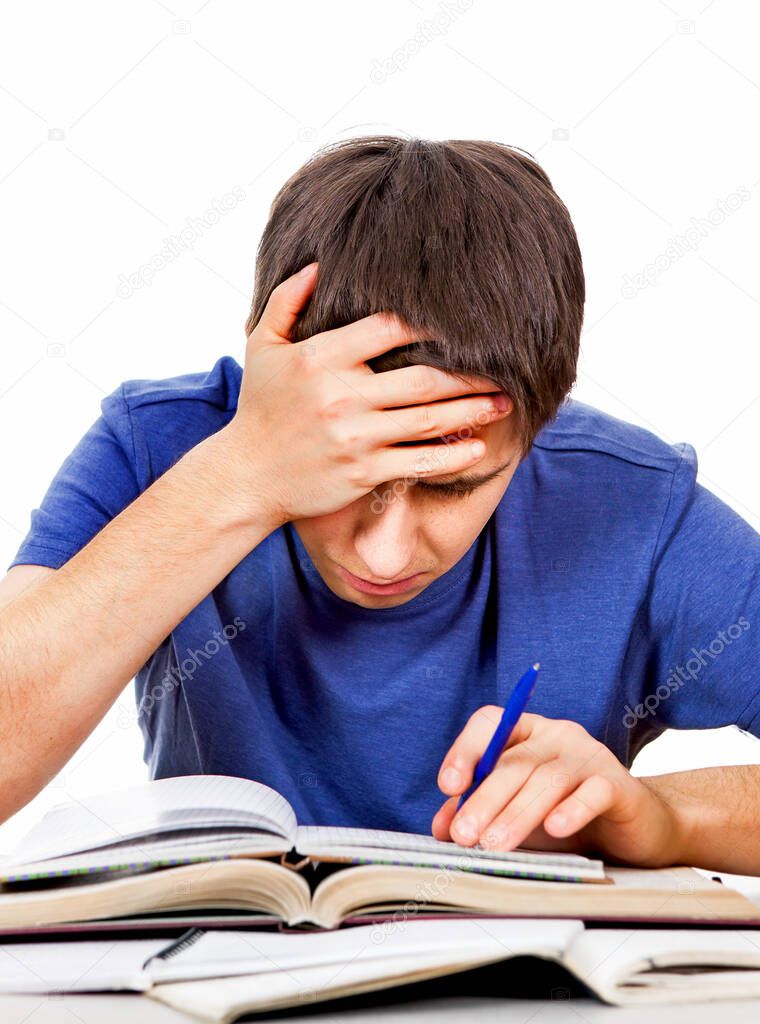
463 239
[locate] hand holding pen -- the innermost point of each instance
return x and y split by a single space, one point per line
517 779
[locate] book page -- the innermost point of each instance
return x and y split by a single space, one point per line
678 878
227 953
375 845
409 951
633 965
237 885
82 966
154 808
655 895
223 1000
136 855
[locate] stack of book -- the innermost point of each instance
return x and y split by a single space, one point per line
275 914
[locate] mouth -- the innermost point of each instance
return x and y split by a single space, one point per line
401 586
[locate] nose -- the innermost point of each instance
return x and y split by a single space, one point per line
387 536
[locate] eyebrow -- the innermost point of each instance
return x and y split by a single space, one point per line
466 481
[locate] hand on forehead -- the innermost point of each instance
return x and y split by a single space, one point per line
431 382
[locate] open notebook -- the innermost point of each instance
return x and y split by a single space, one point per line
207 817
206 843
220 975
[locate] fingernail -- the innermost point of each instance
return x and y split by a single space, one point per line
465 828
500 401
496 836
451 779
306 270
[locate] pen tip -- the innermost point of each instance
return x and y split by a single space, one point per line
537 666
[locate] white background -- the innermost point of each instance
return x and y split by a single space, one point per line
119 122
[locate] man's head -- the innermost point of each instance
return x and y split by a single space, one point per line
467 242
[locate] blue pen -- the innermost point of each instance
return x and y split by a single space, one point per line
515 707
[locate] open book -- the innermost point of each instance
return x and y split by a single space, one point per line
219 975
622 967
206 845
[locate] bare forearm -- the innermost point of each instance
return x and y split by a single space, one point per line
69 644
716 815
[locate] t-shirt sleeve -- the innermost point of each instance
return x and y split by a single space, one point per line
93 485
704 613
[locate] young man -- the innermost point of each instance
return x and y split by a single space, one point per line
328 569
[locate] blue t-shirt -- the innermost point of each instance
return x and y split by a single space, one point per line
636 588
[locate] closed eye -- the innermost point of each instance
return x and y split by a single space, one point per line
454 489
461 486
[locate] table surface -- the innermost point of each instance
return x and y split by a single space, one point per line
118 1008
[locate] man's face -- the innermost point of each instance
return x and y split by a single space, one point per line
384 549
